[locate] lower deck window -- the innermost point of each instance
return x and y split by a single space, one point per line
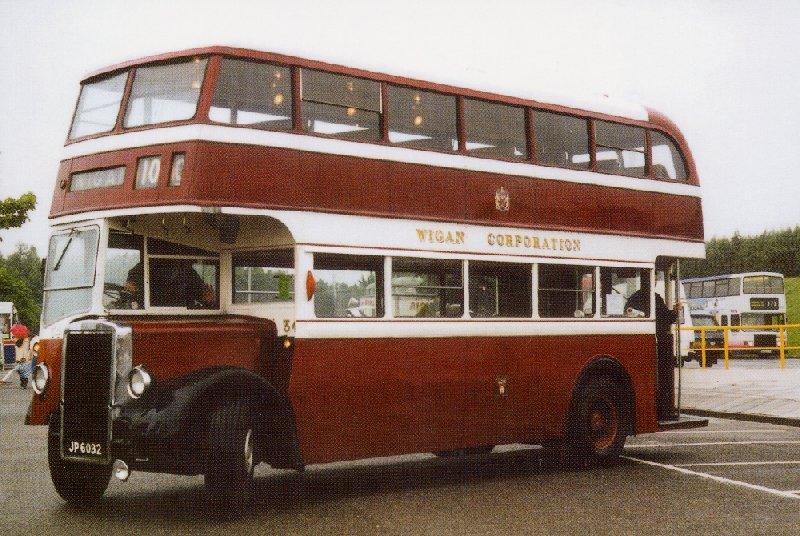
263 276
124 275
566 291
625 291
427 288
190 283
499 290
346 286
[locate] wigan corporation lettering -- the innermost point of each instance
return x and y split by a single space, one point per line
439 236
533 242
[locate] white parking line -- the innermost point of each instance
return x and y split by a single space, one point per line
723 464
714 443
747 431
785 494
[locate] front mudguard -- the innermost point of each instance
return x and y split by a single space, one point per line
166 430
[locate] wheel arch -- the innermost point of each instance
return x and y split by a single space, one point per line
607 366
185 417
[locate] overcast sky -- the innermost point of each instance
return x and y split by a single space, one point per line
727 72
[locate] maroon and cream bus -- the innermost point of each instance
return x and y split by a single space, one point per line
262 258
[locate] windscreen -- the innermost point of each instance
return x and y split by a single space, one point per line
68 282
98 106
763 284
703 320
162 93
762 319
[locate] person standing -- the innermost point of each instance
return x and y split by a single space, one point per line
22 349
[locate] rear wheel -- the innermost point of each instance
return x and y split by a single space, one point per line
597 426
230 461
76 482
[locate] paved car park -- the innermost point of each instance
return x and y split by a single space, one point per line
732 477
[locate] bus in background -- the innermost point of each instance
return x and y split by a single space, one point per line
263 258
746 299
692 341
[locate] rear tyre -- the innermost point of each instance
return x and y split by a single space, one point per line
77 483
598 425
230 461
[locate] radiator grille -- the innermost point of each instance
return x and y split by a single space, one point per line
86 395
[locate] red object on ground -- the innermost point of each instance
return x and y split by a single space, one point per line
20 331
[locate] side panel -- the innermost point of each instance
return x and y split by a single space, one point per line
173 349
269 177
356 398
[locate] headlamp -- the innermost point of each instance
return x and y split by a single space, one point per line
138 381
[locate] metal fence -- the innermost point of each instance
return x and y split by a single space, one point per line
700 343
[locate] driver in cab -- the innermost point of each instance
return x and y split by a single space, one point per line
172 284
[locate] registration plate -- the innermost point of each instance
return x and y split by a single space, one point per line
77 448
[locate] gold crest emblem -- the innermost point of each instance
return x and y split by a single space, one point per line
502 201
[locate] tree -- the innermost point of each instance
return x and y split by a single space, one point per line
14 212
14 289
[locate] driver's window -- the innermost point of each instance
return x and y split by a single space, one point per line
124 278
182 276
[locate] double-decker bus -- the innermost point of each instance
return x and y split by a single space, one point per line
262 258
755 299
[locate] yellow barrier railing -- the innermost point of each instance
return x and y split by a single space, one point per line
781 340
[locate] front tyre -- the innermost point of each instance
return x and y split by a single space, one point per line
596 432
230 461
77 483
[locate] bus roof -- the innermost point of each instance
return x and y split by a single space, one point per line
600 104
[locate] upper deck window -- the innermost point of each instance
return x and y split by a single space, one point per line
339 105
763 284
255 94
98 106
667 159
620 148
561 140
162 93
422 119
495 130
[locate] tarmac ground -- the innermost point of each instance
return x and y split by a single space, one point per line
750 388
731 477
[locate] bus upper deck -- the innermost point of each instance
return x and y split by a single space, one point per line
231 127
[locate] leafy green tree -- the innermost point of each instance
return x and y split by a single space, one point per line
773 251
14 289
20 273
14 212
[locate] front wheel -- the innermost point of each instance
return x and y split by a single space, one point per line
597 425
77 483
230 461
